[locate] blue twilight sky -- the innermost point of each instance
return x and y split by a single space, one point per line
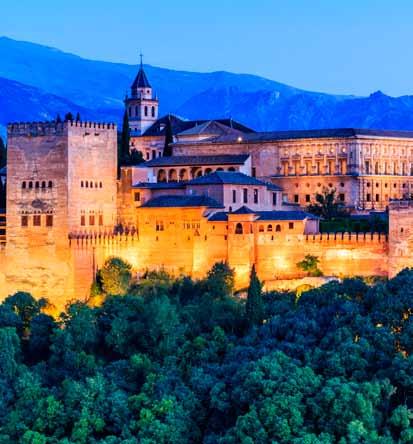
337 46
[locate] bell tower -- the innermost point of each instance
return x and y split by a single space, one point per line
142 105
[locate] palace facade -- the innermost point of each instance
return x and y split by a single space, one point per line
208 191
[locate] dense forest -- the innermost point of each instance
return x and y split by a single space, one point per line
167 360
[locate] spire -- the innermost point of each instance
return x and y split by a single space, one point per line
141 81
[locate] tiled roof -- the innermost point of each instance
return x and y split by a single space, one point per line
285 215
179 125
226 177
160 185
308 134
213 128
243 210
224 159
141 81
181 201
222 216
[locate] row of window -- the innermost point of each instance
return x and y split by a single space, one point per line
255 196
90 184
341 198
145 111
36 184
239 229
92 220
388 168
37 220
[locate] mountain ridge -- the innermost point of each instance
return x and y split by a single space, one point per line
47 80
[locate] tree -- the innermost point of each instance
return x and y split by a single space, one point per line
78 117
3 154
58 119
116 276
326 204
2 194
310 265
254 308
69 117
220 280
124 143
169 138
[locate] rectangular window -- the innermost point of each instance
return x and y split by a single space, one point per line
296 199
245 190
82 220
367 167
91 219
307 198
368 197
100 219
234 196
159 226
49 220
147 156
255 196
137 196
153 154
37 220
291 225
25 221
254 172
274 198
377 198
342 197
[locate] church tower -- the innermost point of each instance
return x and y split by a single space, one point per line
142 105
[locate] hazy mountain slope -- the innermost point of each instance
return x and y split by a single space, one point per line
36 82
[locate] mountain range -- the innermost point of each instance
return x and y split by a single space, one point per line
37 82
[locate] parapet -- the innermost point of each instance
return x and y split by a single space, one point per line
400 204
347 237
35 129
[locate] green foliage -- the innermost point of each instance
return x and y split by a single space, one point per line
169 138
175 361
254 308
220 280
310 265
326 204
116 276
3 154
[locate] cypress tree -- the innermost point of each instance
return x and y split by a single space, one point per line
58 119
68 117
169 138
78 117
254 308
124 150
3 154
2 195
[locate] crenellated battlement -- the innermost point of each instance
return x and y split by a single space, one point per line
35 129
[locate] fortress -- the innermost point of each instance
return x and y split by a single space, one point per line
207 191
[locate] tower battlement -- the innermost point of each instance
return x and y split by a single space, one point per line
35 129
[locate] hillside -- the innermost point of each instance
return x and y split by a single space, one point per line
36 82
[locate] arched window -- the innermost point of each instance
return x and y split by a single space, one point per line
43 184
269 227
37 184
161 176
91 184
81 184
173 177
30 184
231 169
278 228
146 111
50 184
87 184
153 111
24 185
100 185
238 228
208 171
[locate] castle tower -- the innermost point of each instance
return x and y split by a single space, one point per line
142 105
61 182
